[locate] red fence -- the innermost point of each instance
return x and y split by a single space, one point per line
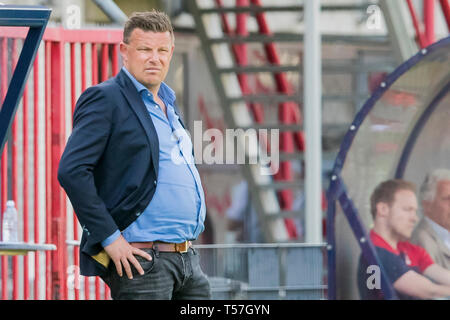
68 61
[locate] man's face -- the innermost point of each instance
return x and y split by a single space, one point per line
402 216
438 209
147 56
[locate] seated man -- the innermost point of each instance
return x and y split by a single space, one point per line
433 230
408 267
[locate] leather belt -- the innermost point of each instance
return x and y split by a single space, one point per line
163 246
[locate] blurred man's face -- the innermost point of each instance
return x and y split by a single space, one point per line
438 209
147 56
402 216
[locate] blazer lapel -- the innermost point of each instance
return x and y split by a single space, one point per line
441 245
138 106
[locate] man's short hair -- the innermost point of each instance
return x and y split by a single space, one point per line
385 192
429 185
155 21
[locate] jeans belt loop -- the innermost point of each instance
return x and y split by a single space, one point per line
156 250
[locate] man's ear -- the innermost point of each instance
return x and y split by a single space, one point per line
382 209
123 51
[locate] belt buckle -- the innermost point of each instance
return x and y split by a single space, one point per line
182 247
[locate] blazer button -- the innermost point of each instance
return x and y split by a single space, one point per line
154 182
138 214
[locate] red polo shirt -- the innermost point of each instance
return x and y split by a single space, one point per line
414 256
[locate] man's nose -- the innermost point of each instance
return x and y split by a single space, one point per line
153 56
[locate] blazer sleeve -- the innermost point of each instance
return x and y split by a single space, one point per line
92 123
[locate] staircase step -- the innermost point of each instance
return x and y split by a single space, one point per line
262 9
251 9
260 38
331 67
377 40
295 37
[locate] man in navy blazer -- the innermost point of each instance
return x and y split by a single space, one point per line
128 171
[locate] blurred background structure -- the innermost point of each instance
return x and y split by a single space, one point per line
303 67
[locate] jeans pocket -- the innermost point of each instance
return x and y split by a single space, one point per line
146 265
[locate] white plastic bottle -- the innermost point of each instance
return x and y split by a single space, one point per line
9 226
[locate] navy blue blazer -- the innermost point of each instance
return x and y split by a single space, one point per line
109 167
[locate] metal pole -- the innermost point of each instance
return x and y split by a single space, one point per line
58 199
4 164
312 85
112 11
428 17
416 23
446 11
36 189
395 17
15 189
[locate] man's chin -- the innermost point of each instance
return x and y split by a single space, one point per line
406 237
151 83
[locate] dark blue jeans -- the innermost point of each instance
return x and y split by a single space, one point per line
170 275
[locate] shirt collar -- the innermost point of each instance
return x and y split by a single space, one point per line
441 232
378 241
165 92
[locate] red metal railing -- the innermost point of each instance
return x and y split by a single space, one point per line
4 160
68 61
425 31
445 5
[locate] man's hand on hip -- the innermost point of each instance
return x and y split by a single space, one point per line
122 253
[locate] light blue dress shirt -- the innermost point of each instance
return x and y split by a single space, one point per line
177 210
